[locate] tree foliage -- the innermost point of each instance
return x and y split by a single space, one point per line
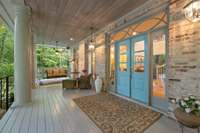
6 51
50 57
47 57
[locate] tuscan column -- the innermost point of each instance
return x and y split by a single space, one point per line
22 53
107 60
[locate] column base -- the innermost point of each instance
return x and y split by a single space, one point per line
20 105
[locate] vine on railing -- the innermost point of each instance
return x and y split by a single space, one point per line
6 92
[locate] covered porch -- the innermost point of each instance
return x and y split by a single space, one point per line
146 53
53 110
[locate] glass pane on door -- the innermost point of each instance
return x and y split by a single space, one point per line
139 61
123 67
123 48
139 46
123 58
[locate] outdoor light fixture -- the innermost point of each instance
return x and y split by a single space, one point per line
192 11
92 40
71 39
134 33
91 47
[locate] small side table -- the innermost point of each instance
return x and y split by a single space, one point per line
183 125
187 120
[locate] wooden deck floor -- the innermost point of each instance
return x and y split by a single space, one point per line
53 111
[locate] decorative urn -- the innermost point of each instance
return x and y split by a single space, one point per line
190 120
98 84
188 112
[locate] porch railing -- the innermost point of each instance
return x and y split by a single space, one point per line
6 92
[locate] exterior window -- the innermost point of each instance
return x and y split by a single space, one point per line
159 64
151 23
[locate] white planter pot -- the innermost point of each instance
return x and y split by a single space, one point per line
98 84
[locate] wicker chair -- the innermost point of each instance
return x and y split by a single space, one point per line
84 82
69 84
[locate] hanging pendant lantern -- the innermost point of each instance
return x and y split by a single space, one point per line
92 40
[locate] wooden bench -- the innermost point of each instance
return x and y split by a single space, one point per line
56 72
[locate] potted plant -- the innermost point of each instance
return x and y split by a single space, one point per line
188 112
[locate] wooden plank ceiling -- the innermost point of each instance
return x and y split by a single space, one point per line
59 20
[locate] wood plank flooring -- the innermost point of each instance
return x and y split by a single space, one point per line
53 111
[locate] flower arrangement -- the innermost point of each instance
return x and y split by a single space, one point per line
190 105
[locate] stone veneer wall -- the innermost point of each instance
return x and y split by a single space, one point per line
100 60
81 57
184 53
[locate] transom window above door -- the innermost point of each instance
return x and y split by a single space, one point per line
148 24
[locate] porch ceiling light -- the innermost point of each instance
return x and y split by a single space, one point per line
192 11
91 47
92 40
134 33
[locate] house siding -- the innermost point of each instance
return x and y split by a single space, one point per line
183 73
100 61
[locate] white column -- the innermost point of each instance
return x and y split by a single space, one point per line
22 53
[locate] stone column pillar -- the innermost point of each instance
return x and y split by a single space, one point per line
107 61
22 53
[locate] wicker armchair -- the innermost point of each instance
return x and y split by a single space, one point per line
69 84
84 82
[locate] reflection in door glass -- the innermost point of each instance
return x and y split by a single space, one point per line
123 67
159 64
123 48
138 59
139 46
123 58
139 62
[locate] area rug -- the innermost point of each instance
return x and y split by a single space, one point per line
116 115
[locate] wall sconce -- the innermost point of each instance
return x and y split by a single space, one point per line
192 11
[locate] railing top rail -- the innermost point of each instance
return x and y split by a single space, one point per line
5 77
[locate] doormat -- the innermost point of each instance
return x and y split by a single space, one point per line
116 115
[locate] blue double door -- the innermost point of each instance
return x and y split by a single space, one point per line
132 68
